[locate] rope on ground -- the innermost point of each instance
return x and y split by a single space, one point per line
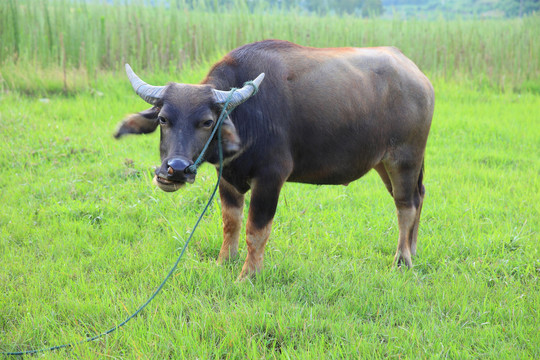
193 168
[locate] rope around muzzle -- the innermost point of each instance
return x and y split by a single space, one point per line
192 169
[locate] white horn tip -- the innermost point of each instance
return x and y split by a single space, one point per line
259 78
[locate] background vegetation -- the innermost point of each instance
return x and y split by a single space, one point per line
79 39
463 8
407 8
85 237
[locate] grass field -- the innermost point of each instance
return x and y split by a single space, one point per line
85 238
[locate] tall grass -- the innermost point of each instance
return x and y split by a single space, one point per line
100 36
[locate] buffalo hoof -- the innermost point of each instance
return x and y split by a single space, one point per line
248 271
226 258
401 259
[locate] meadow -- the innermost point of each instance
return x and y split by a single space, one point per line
85 237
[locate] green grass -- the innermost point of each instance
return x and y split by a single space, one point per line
85 237
84 240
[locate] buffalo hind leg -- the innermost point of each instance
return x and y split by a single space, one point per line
264 198
232 211
405 179
384 176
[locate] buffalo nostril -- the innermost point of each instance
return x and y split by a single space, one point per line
177 165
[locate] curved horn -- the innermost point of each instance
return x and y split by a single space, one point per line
150 94
240 95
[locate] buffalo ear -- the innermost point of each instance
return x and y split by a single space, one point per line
141 123
229 137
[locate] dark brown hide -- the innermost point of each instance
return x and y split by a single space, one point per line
321 116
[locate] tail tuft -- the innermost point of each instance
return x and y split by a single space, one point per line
421 188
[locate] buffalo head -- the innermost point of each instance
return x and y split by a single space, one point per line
186 115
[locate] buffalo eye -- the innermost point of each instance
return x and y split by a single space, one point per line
207 123
162 120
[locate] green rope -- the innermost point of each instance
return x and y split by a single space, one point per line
224 113
192 169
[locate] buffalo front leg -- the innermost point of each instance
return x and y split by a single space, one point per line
264 199
232 211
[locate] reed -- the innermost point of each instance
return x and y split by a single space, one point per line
99 36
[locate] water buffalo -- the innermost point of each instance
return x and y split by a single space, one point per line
322 116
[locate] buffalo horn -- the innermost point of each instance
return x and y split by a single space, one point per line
150 94
239 95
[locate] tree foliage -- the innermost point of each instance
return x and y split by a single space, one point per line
374 8
363 7
452 8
